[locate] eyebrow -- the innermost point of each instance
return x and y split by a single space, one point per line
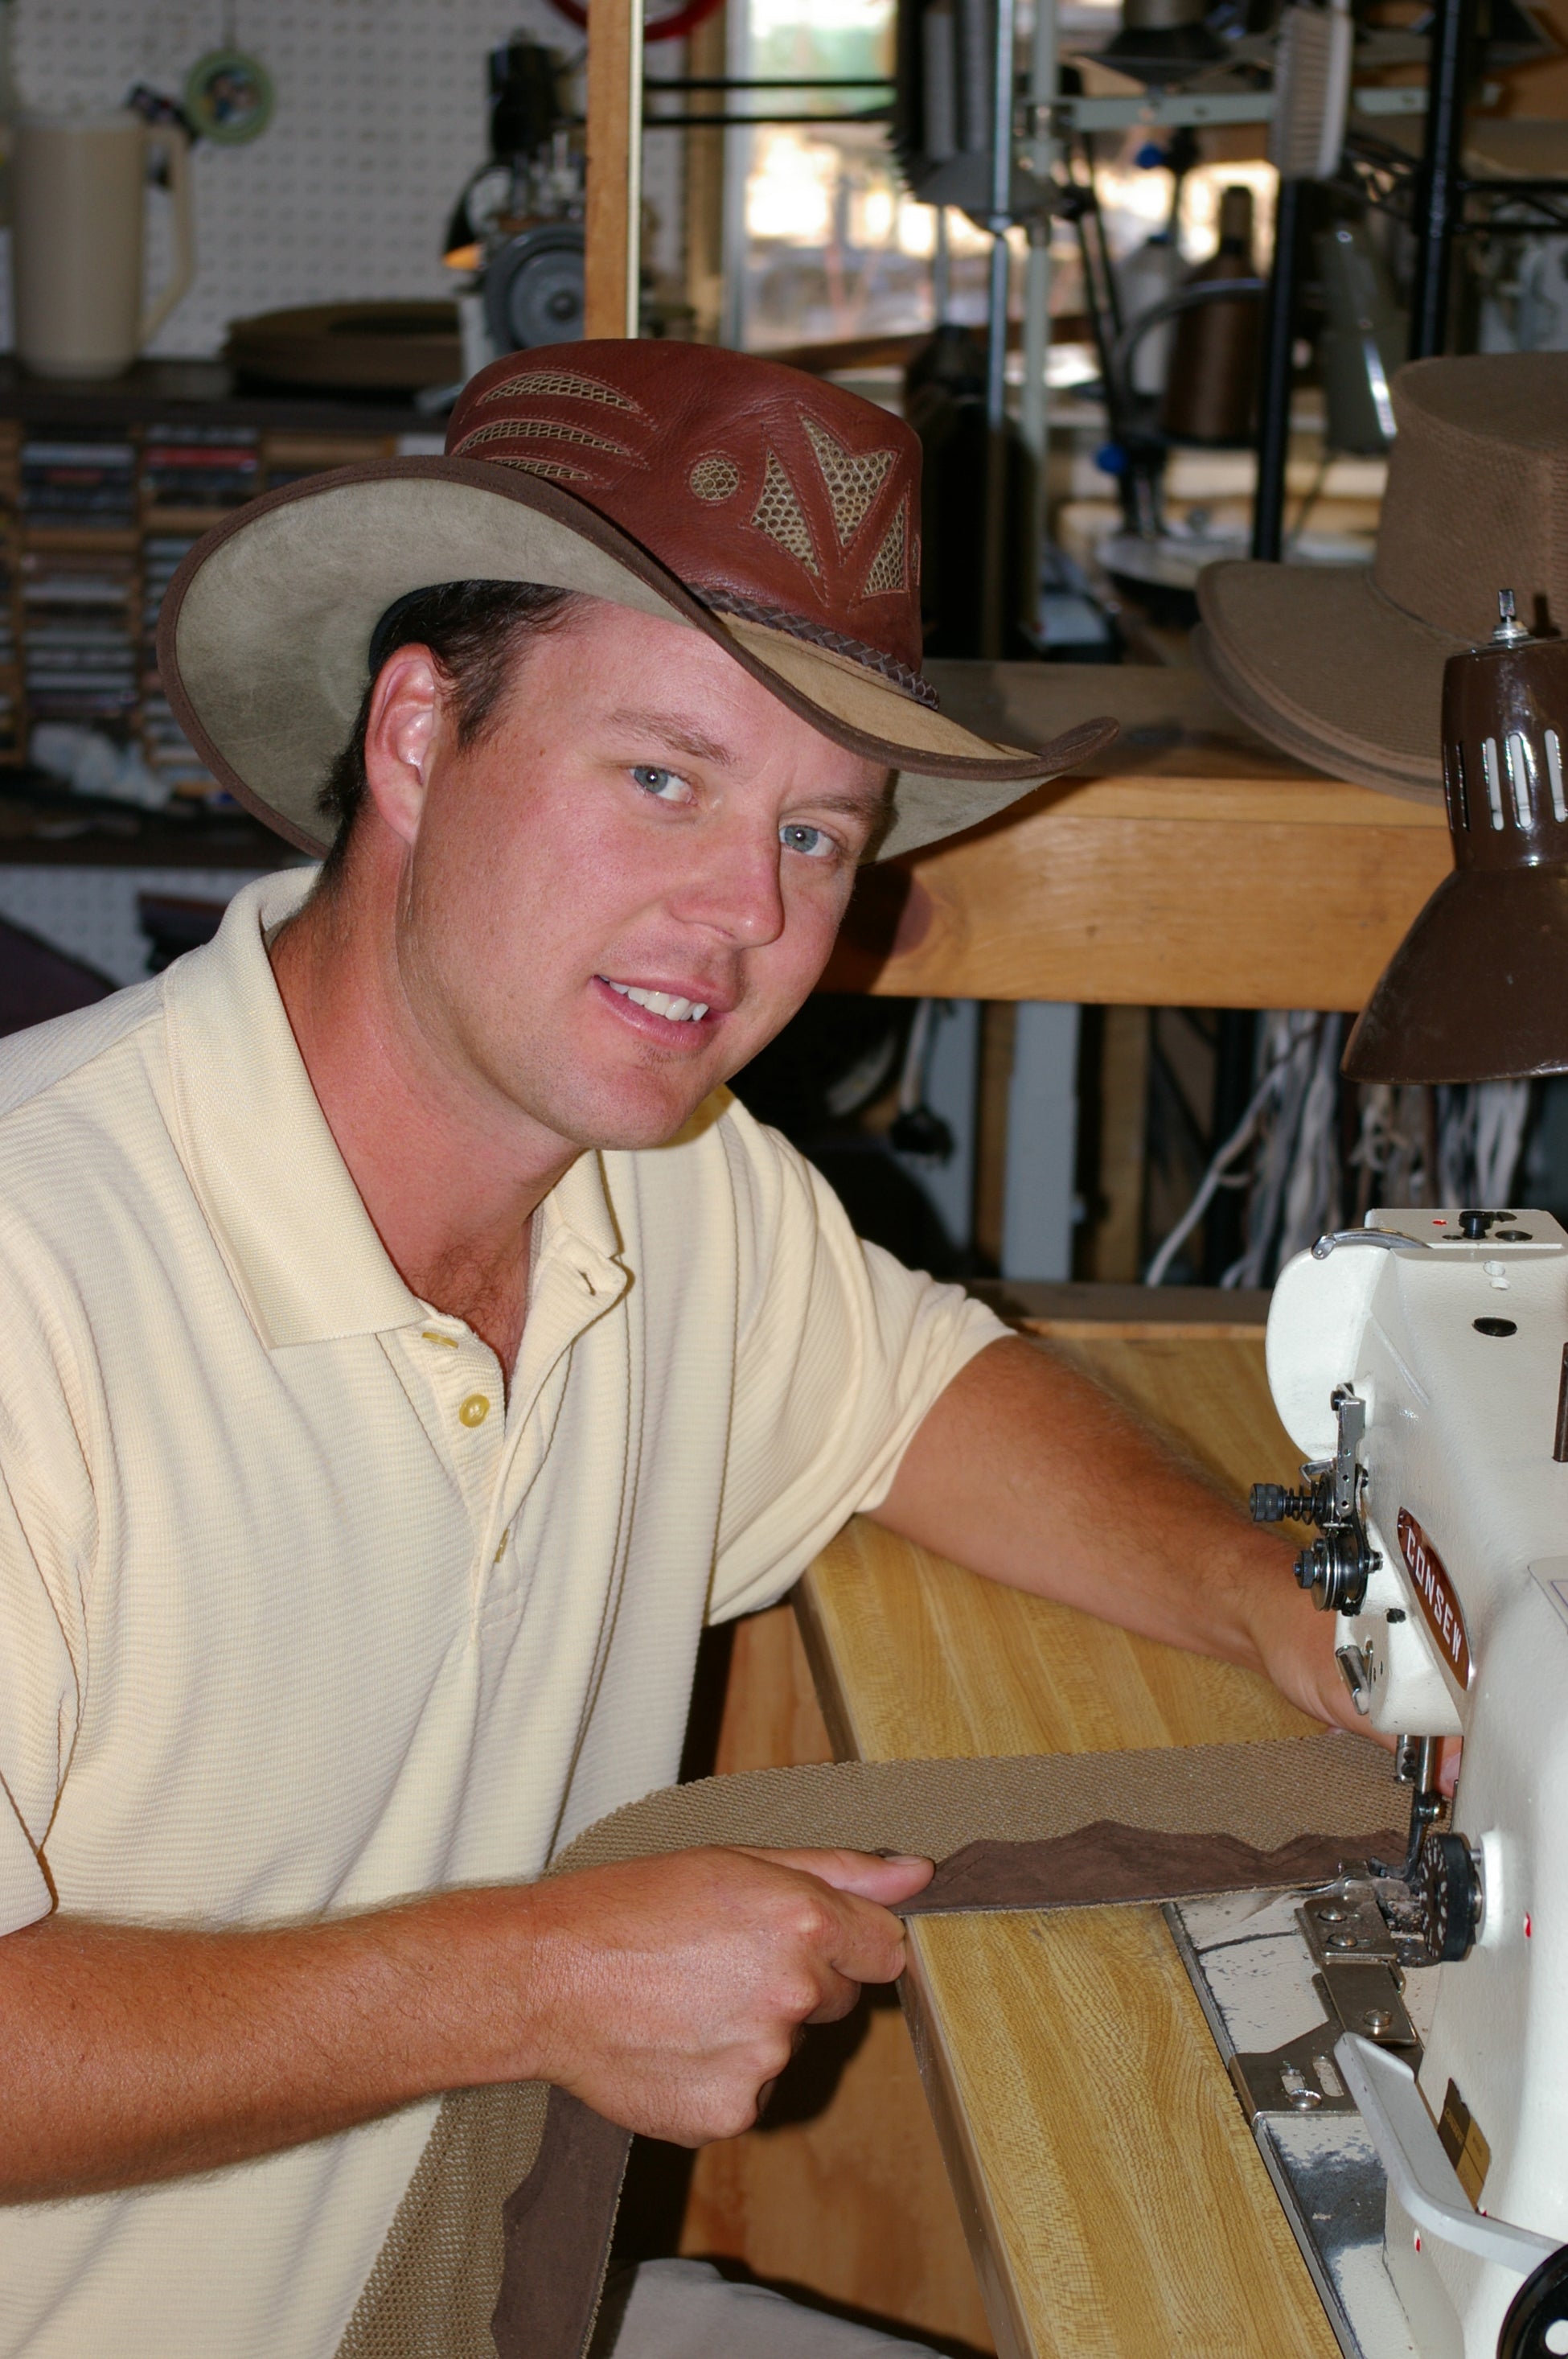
679 734
872 806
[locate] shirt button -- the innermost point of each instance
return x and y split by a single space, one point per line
474 1410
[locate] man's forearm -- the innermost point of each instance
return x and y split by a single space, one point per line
135 2054
666 1992
1027 1472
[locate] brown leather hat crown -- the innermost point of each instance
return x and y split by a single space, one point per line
777 498
776 515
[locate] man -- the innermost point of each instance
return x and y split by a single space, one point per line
408 1346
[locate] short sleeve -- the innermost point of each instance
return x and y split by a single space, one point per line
46 1522
839 1354
37 1716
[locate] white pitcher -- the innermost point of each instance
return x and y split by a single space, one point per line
77 198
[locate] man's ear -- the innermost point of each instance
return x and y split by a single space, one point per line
404 711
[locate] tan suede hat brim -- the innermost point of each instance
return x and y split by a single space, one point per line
264 638
1323 666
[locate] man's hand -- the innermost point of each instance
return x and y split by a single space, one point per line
1295 1647
669 1993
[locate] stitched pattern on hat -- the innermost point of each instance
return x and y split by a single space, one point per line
556 469
890 566
853 482
562 380
547 429
715 479
821 635
779 514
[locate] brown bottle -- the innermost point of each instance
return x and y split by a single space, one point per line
1212 387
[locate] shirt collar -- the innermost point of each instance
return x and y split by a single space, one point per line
276 1193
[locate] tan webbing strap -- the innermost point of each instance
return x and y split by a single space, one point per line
500 2243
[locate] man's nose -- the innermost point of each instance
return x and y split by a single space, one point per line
734 888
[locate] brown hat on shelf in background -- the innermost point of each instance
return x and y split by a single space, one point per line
777 515
1342 666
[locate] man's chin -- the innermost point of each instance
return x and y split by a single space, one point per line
623 1128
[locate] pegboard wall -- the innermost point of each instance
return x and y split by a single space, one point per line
379 120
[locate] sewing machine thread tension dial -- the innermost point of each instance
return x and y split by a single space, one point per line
1340 1562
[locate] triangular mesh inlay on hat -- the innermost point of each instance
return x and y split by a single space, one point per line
1343 665
771 512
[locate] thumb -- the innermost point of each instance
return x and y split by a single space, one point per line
888 1881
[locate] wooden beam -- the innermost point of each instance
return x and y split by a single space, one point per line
1198 868
613 229
706 53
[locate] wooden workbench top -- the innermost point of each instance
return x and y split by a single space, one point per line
1115 2204
1196 866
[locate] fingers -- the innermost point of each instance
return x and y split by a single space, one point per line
839 1997
847 1932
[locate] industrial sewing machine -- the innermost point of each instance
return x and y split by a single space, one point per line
1400 2039
1422 1365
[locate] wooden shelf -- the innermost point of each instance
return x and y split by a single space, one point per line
198 393
1195 866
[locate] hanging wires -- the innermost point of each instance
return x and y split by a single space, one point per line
1408 1146
1290 1133
1286 1053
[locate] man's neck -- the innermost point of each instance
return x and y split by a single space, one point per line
447 1183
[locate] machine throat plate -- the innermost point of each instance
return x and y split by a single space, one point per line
1279 1976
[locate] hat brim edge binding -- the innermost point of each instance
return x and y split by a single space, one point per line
922 772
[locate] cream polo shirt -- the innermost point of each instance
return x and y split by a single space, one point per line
298 1614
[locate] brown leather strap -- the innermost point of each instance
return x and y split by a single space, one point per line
498 2249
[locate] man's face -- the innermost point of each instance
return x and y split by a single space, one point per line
643 833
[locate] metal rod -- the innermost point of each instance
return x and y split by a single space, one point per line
736 146
1439 189
1274 388
700 122
1033 418
773 82
1105 327
998 219
941 268
993 602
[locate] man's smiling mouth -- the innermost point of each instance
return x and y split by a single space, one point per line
674 1010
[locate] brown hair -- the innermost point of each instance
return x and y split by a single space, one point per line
477 632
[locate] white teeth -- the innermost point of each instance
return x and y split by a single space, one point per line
668 1004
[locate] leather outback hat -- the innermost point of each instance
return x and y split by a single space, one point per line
1342 666
778 514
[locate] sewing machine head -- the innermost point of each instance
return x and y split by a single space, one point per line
1420 1365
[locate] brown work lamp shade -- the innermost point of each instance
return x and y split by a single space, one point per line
1478 989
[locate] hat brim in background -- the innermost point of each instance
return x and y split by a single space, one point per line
1316 659
263 636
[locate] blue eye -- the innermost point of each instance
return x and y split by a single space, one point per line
814 842
657 782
